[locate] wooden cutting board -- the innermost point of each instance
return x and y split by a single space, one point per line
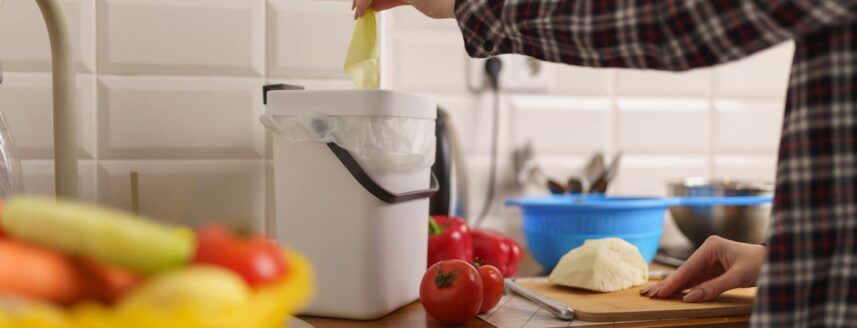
628 305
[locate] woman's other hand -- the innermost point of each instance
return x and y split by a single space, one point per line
431 8
717 266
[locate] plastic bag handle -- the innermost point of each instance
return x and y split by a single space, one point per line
373 187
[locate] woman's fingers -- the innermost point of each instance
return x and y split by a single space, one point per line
380 5
694 267
648 290
360 7
710 289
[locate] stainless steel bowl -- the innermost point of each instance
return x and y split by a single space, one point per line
744 223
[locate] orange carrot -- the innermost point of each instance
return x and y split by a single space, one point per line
37 273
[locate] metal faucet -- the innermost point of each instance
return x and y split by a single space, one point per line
65 98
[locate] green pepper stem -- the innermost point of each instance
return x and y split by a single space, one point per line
434 228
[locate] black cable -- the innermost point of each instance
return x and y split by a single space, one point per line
492 70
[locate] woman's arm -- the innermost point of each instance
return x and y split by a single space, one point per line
658 34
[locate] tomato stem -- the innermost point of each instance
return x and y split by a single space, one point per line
444 279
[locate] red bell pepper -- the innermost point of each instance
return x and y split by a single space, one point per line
449 239
497 249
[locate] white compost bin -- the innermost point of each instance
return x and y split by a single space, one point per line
352 181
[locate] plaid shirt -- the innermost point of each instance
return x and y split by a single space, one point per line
810 273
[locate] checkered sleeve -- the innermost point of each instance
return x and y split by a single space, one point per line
656 34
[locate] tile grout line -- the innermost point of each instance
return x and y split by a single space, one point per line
269 217
96 102
531 317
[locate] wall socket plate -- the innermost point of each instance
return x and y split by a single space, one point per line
519 74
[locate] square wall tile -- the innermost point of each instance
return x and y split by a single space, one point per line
765 74
762 168
191 118
472 118
663 125
499 216
562 125
308 38
195 37
743 125
39 178
26 47
694 83
189 192
582 81
26 101
429 62
649 174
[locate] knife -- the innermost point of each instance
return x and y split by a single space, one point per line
558 309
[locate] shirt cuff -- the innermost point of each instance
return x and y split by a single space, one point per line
481 26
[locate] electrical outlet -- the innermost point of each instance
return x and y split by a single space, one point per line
519 74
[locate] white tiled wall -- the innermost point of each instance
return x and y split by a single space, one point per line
172 89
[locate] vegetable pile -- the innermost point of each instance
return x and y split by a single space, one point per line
455 288
451 239
57 254
454 292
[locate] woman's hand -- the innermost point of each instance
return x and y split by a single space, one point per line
717 266
431 8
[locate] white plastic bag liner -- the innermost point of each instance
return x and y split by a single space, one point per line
365 232
379 143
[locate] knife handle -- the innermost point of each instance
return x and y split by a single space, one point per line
558 309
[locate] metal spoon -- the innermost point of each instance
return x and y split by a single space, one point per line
599 186
594 168
574 186
555 187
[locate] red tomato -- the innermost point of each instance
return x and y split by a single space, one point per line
105 283
256 259
492 287
451 292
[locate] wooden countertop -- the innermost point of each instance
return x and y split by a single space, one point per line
413 315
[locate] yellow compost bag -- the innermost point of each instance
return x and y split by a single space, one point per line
361 63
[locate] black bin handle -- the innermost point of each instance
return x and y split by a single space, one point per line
356 170
373 187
